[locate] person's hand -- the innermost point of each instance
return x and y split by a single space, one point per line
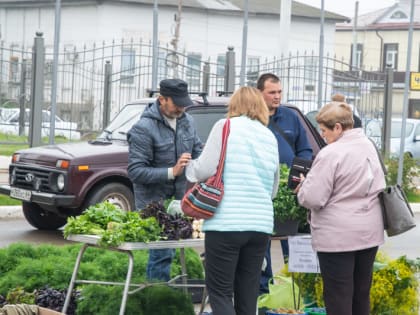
302 178
181 164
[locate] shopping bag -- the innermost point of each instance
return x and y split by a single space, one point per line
284 293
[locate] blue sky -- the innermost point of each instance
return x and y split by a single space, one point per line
347 7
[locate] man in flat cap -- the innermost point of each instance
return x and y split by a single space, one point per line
160 145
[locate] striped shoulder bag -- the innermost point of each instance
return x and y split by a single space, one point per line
202 199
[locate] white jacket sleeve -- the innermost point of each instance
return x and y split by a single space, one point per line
205 165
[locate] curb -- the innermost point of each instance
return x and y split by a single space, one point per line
11 212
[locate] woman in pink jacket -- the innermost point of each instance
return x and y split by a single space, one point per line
341 191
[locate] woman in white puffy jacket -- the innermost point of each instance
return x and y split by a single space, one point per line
238 233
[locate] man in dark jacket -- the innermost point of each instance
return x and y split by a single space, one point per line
292 141
160 145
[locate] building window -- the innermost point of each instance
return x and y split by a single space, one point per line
399 15
221 63
193 71
48 72
220 73
14 69
359 56
390 56
70 53
310 73
162 68
252 70
128 64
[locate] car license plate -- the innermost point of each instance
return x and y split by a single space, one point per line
21 194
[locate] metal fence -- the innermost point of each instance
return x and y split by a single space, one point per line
107 76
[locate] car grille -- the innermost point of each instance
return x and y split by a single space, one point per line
30 178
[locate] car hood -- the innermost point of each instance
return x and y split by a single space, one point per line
93 152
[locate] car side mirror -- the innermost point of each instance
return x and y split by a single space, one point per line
417 138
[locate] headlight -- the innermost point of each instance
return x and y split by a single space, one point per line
60 182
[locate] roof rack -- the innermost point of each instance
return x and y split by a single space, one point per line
224 93
203 95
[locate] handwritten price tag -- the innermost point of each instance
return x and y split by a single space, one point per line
302 258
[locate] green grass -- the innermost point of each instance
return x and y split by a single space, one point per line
10 143
414 197
7 201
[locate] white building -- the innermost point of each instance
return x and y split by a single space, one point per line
207 27
96 31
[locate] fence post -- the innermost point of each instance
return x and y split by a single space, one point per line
386 119
206 77
22 98
107 94
37 87
230 71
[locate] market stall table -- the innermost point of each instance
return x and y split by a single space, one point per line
127 248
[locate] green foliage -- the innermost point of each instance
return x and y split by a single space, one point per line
20 296
28 268
195 269
394 286
410 171
285 203
152 300
166 300
113 225
11 143
7 201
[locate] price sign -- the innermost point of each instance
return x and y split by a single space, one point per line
302 258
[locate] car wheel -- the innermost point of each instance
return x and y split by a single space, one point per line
115 193
40 218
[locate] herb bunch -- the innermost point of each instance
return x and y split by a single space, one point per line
174 226
114 225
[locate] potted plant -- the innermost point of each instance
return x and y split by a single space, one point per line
288 214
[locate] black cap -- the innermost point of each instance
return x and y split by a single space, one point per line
176 89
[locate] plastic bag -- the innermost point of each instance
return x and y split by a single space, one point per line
281 294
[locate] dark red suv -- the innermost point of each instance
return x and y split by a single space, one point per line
57 181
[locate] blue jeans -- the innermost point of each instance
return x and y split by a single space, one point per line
267 273
159 264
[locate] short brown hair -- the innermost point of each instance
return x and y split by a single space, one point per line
248 101
333 113
266 77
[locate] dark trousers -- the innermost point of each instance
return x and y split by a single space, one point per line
233 268
267 272
347 278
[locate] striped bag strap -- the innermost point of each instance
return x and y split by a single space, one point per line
225 134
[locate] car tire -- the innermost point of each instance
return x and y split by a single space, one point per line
115 193
40 218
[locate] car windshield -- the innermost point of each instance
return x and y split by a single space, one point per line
396 128
121 124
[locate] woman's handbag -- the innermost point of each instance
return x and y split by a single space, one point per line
201 200
397 214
